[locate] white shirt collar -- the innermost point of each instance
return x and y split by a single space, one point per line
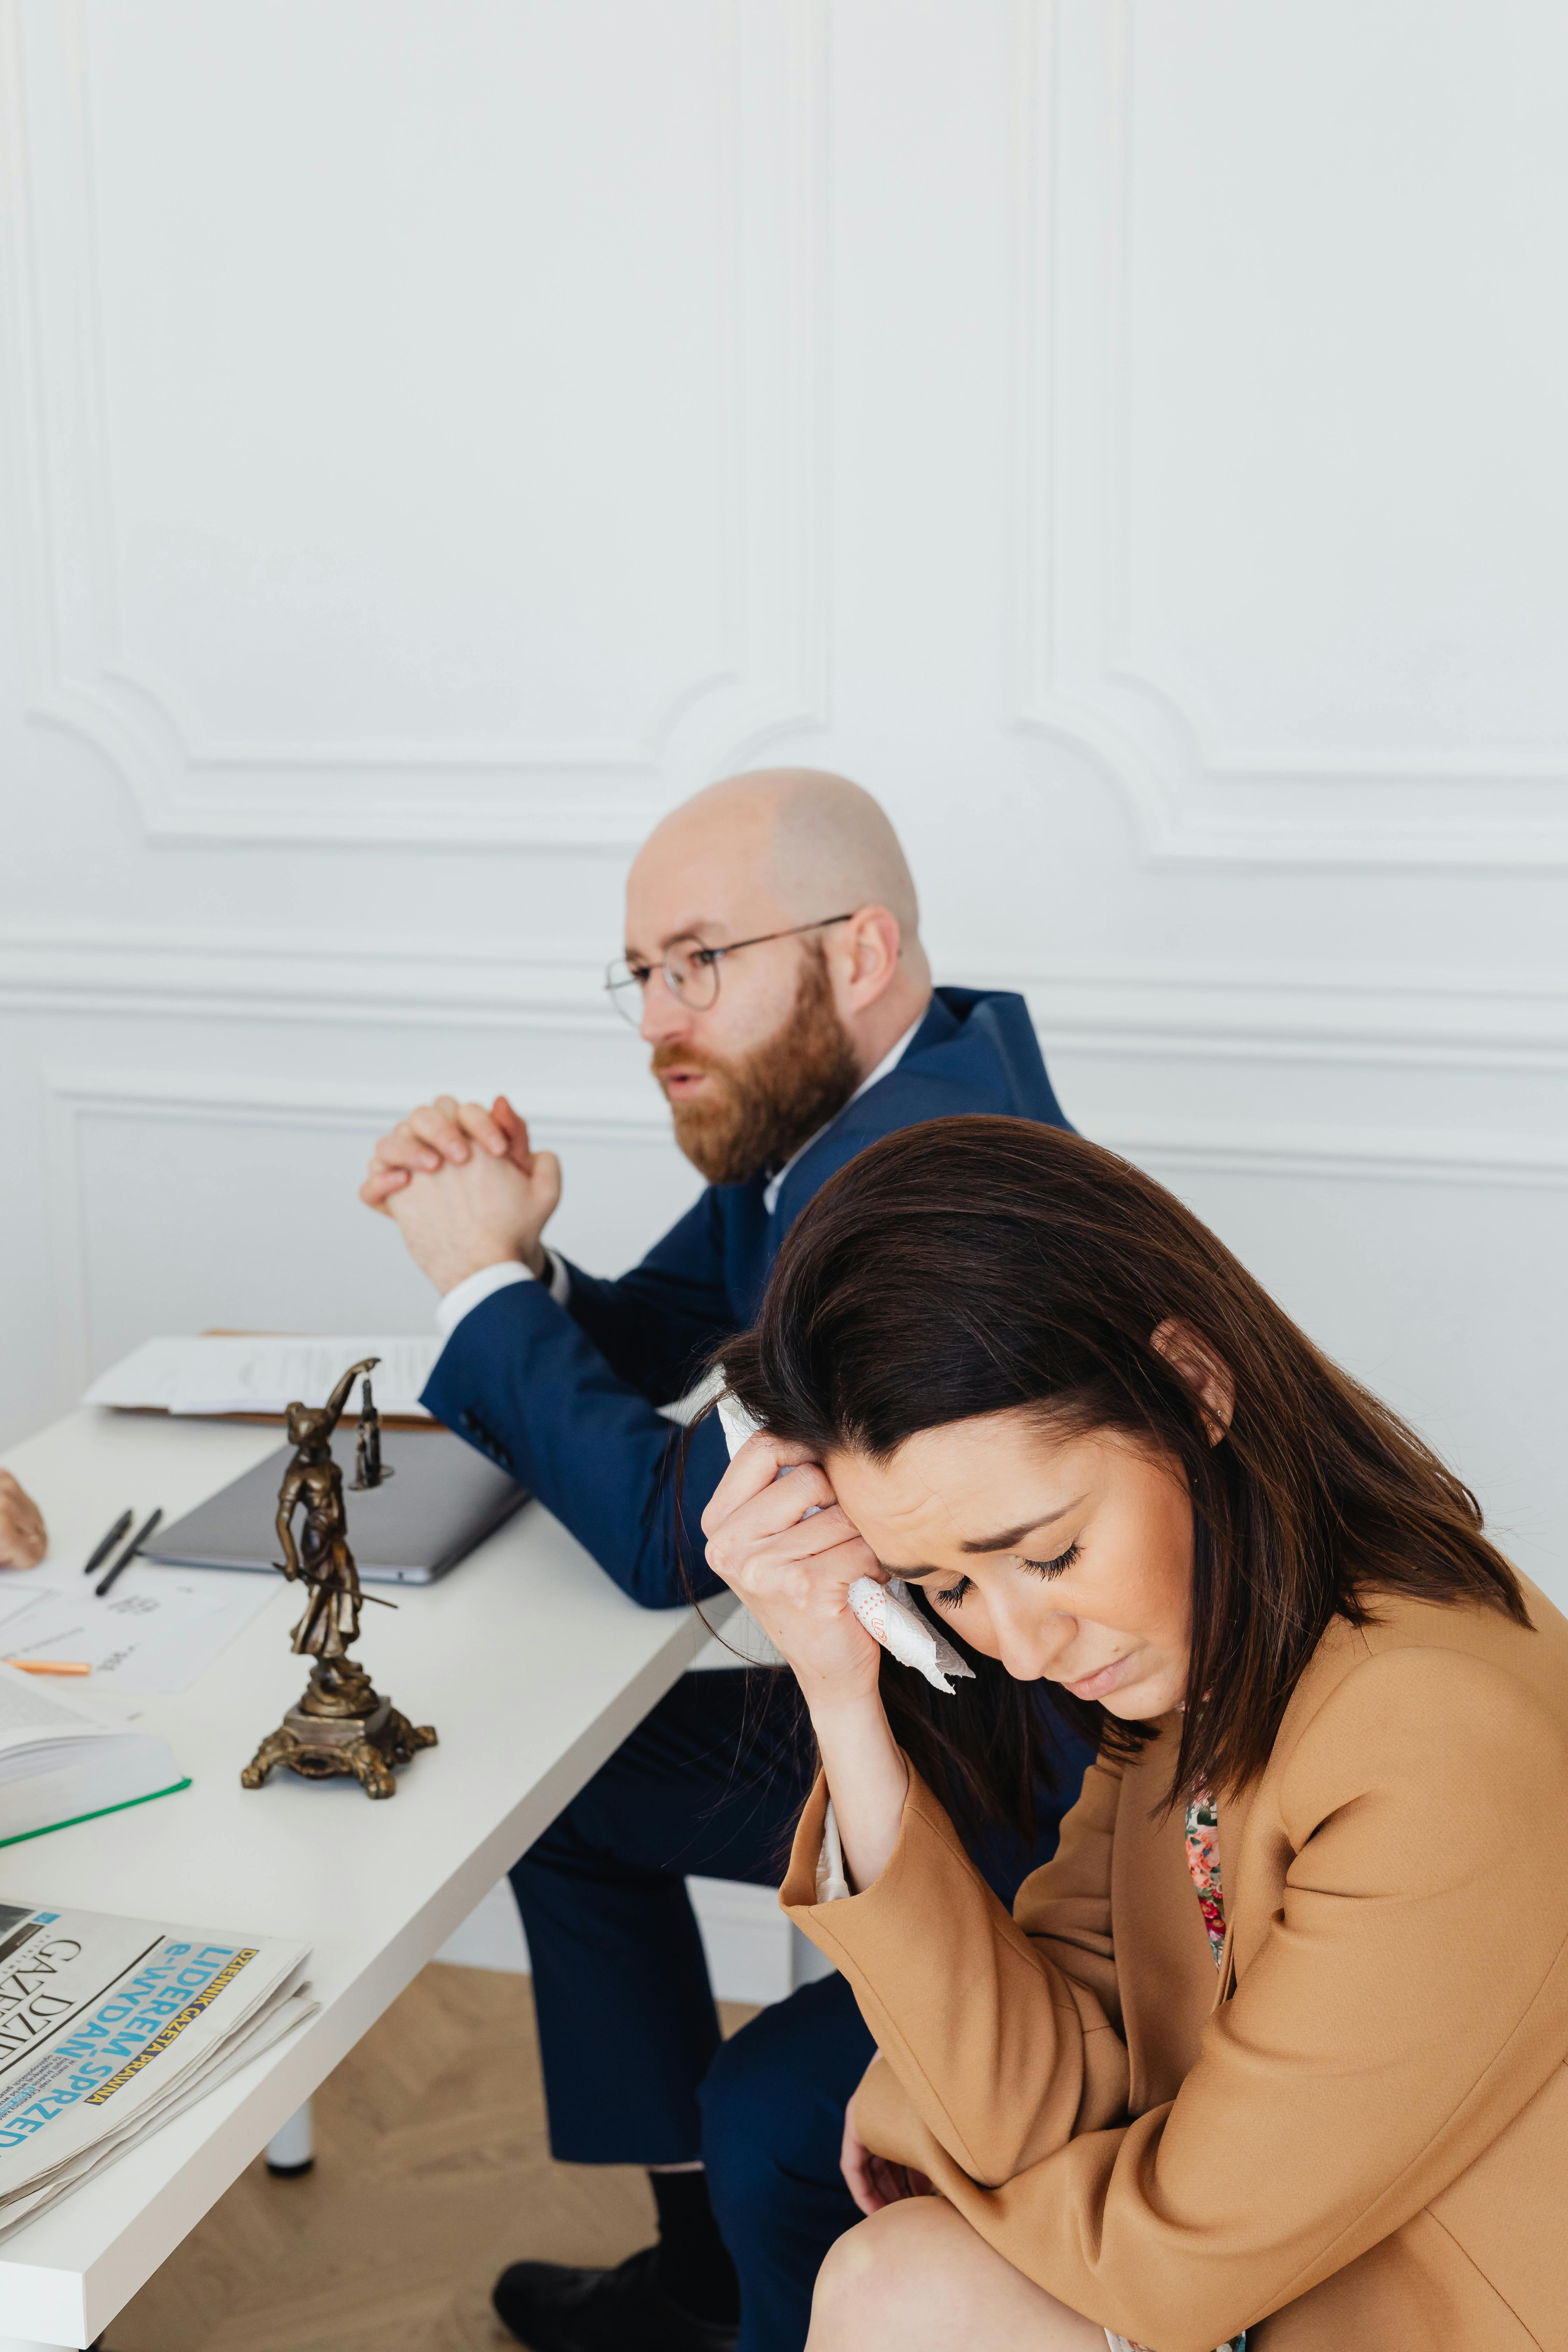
889 1061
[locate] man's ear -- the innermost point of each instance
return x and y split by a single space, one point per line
867 949
1204 1371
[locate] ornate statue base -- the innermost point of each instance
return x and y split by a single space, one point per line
340 1727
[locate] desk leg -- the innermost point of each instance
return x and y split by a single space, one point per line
291 2150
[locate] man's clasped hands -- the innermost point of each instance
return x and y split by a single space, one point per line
465 1188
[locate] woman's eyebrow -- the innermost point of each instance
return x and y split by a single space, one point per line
1008 1540
1011 1537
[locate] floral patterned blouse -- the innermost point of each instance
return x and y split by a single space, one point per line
1203 1862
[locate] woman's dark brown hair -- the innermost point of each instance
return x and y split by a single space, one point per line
974 1266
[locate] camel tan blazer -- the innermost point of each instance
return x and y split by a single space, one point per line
1352 2138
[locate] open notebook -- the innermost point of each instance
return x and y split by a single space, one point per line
62 1760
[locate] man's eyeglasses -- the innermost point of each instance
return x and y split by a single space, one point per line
691 970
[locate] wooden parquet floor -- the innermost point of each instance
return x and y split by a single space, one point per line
432 2173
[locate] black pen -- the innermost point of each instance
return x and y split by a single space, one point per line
129 1554
102 1551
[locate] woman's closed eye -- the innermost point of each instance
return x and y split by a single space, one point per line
954 1594
1058 1566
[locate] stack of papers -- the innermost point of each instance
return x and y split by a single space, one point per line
109 2027
155 1631
263 1375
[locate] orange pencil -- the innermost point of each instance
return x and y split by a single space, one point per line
50 1665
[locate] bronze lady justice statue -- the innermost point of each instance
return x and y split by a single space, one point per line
339 1726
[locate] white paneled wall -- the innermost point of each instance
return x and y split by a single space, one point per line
1124 433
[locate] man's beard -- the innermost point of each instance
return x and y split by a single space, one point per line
753 1114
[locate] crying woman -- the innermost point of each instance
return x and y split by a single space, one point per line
1276 2050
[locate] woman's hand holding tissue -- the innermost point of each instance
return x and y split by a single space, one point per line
786 1547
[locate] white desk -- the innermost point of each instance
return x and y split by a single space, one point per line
532 1666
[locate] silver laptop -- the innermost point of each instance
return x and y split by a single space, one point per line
444 1499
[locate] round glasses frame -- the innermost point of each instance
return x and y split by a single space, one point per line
691 970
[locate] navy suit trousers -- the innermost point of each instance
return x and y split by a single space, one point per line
708 1785
773 2127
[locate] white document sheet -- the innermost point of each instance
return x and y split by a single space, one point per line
263 1375
155 1630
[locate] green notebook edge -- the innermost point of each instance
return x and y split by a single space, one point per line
123 1807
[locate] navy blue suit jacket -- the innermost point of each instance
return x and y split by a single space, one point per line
565 1398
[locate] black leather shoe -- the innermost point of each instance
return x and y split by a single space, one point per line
552 2308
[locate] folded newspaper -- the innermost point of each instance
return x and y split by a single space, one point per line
111 2027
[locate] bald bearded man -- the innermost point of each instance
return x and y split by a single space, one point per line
773 964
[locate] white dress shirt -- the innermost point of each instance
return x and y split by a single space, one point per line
475 1288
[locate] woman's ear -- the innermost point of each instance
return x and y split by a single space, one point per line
1207 1374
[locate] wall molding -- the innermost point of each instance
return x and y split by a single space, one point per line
1382 1155
1172 1148
769 677
1436 1018
75 1093
129 970
1435 1021
111 1091
1196 801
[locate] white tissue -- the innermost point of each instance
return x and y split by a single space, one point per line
886 1610
737 1423
890 1617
